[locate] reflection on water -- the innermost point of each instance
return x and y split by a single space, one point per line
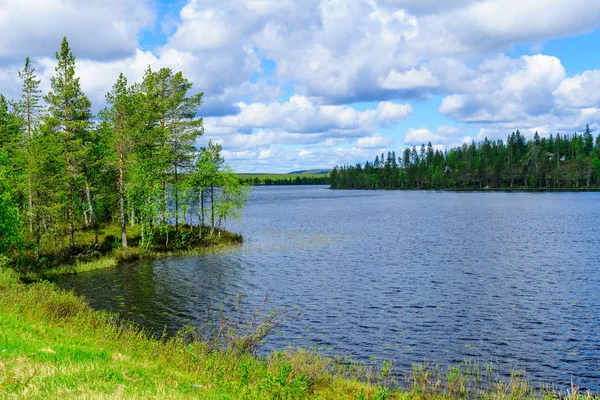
406 276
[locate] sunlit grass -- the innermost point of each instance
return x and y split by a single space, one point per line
54 346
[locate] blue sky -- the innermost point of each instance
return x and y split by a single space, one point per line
310 84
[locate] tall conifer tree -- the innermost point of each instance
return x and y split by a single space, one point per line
68 115
29 107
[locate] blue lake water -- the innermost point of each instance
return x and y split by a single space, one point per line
511 278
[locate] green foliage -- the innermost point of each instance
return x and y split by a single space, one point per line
556 162
232 196
9 218
284 179
67 176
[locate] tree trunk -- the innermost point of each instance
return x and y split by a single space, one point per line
30 197
201 214
212 210
163 201
38 236
29 165
70 211
122 199
69 182
70 200
176 201
88 196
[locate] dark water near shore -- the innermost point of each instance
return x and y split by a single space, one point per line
512 278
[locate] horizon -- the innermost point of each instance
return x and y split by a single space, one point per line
293 86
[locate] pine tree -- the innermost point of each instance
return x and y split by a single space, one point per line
119 118
588 141
68 116
29 108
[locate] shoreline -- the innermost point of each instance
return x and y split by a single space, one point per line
119 255
466 190
113 261
53 345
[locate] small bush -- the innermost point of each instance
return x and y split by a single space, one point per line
8 278
51 303
127 254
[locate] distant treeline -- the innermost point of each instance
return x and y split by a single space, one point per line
555 162
283 179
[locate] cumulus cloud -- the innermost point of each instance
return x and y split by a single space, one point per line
428 6
444 136
385 49
580 91
490 26
279 74
301 115
97 29
411 79
275 159
526 90
374 142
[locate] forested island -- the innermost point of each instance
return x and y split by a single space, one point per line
74 186
568 162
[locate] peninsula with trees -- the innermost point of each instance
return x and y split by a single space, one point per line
75 187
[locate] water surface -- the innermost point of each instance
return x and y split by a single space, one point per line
403 276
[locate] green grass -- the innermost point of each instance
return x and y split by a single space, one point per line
54 346
99 249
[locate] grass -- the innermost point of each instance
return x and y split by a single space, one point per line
99 249
54 346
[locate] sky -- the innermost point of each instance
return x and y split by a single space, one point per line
292 85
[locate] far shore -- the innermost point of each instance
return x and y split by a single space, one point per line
515 189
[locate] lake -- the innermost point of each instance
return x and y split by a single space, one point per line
408 276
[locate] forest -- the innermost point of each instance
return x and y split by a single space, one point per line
66 174
284 179
556 162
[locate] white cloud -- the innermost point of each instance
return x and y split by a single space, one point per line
419 136
375 141
484 27
322 56
526 90
96 29
579 91
445 136
411 79
427 6
366 50
301 115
